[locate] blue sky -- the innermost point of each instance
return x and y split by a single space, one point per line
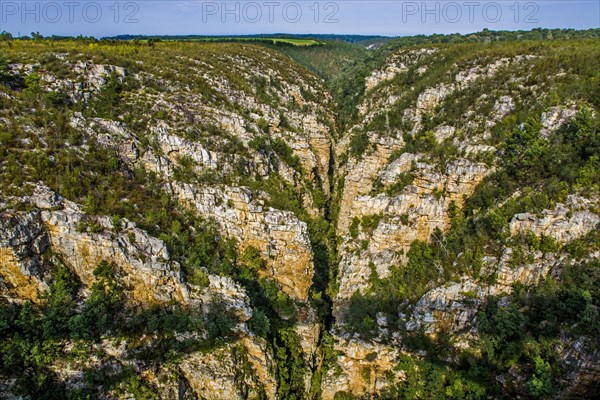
392 17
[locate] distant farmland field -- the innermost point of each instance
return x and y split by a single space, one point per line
295 42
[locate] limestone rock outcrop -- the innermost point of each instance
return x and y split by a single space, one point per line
83 241
565 223
23 240
279 235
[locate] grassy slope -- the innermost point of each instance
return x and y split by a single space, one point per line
328 60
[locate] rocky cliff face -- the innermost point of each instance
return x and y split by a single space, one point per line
393 197
269 256
82 241
23 242
144 268
277 234
215 139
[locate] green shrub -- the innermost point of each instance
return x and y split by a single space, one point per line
198 277
263 124
370 222
107 103
289 367
354 227
259 323
359 142
343 396
403 181
252 258
283 150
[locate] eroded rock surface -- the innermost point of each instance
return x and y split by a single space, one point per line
279 235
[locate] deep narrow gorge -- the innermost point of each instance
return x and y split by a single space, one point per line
187 220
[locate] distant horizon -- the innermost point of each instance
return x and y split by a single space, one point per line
275 34
351 34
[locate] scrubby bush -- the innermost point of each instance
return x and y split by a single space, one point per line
359 143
